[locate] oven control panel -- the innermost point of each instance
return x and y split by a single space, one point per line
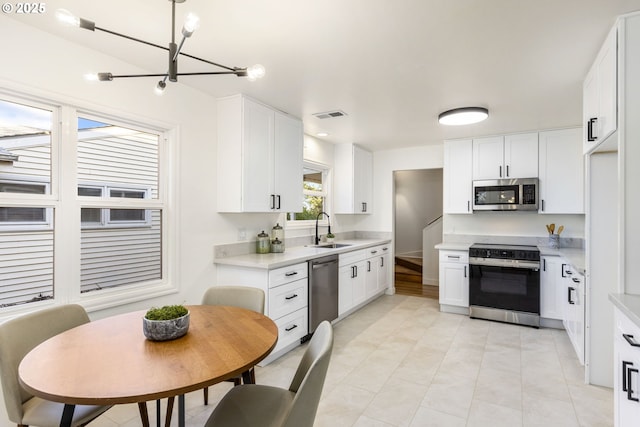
514 252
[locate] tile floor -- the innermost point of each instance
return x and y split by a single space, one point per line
400 362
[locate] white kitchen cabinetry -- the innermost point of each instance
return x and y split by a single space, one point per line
561 172
600 98
626 389
573 314
552 288
504 157
286 299
457 177
454 281
353 177
351 280
377 270
259 165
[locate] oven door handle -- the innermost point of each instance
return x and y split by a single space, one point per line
522 265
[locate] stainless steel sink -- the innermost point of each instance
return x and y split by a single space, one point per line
331 245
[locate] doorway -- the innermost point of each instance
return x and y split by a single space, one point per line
417 228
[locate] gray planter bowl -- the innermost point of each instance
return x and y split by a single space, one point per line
165 330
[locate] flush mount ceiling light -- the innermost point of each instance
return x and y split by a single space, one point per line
190 25
463 116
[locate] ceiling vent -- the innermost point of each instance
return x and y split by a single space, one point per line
330 114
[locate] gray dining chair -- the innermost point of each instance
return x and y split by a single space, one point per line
256 405
20 335
236 296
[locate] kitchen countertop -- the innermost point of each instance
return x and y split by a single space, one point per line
296 254
575 256
629 305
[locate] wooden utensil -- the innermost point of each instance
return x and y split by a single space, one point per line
552 227
560 229
548 228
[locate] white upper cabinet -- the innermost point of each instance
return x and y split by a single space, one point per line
259 165
561 177
505 157
457 177
600 95
353 180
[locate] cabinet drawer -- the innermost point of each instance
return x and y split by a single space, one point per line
625 326
287 274
454 256
287 298
353 257
377 251
291 328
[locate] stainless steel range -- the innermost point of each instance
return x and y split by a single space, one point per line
504 283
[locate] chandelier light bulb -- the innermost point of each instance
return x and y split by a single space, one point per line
91 77
191 24
67 18
160 87
255 72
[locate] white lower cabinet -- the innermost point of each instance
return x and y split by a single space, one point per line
351 280
626 382
362 275
454 280
573 313
377 270
286 299
552 290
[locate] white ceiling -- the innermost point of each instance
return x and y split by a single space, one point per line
391 65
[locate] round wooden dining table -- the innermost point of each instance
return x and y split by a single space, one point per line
109 361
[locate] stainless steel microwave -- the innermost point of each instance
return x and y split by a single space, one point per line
520 194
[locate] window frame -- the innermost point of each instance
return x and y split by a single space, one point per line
105 213
326 193
16 226
64 205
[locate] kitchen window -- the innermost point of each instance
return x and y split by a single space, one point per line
316 193
115 247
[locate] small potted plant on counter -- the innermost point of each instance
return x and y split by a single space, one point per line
165 323
329 237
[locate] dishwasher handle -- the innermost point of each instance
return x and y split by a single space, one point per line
316 265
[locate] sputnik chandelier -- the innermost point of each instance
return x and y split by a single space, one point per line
191 24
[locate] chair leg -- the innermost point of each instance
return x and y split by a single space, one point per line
206 395
144 415
167 420
249 377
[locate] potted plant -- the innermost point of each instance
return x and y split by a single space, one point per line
329 237
165 323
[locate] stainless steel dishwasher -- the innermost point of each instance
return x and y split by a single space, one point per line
323 290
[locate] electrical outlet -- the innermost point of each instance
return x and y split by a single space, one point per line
242 234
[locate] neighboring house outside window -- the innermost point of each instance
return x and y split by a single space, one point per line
121 236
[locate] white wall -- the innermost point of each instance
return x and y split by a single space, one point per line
528 224
418 200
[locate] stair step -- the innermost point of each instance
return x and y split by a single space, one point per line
410 263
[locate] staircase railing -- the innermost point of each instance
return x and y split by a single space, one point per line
431 236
